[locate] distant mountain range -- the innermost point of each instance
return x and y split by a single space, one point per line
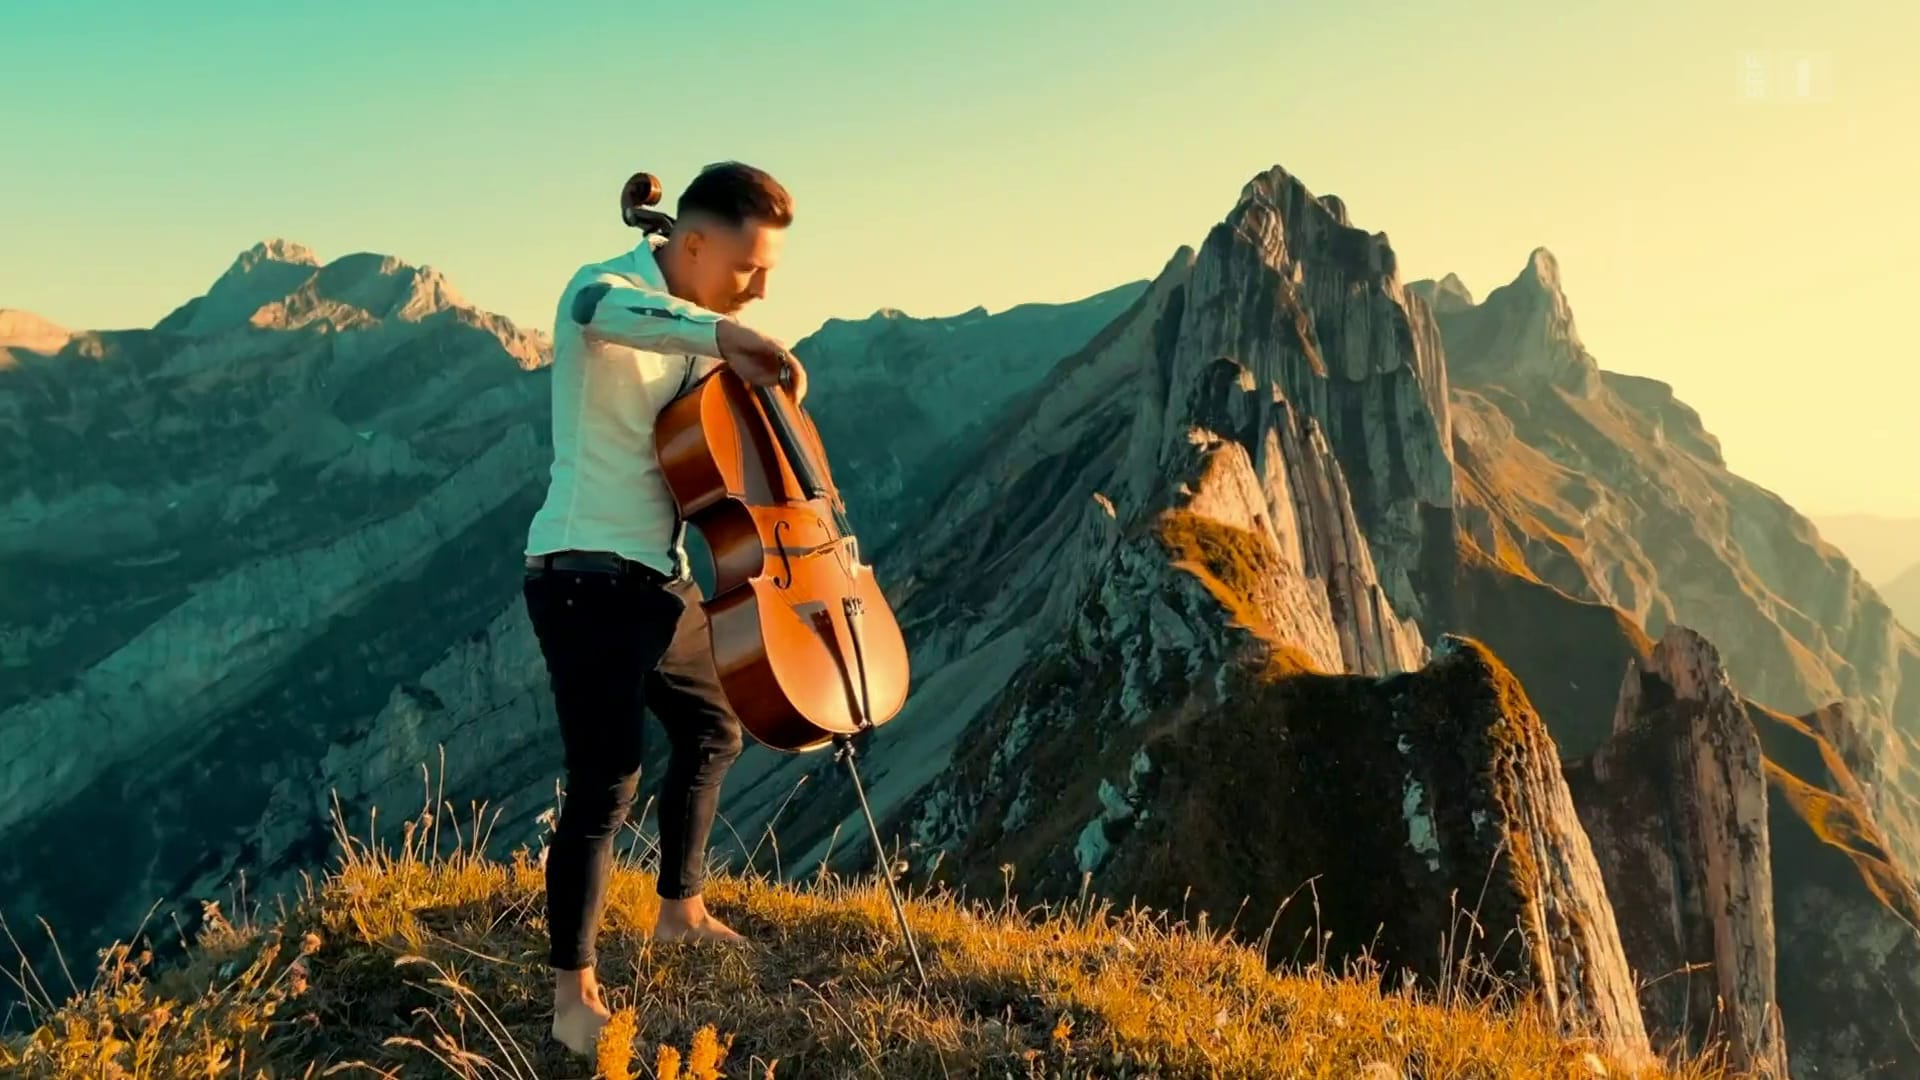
1265 569
1903 596
1881 548
1887 552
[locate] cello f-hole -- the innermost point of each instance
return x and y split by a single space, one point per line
785 560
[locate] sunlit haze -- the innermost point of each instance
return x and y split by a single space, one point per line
1728 188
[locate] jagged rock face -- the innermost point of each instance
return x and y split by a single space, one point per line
226 543
1845 912
1314 306
1676 808
1228 775
1522 334
902 403
1615 493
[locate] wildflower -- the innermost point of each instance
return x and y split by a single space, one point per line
706 1054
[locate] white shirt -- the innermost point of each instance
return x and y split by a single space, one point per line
623 347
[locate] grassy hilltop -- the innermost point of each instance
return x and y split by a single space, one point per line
402 964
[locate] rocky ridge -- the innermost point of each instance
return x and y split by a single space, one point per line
1609 489
227 540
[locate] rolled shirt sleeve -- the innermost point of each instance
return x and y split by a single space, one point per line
614 310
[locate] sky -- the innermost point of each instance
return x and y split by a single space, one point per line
1729 187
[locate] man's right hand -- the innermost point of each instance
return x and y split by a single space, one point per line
752 355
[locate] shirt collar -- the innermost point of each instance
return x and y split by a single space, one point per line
643 263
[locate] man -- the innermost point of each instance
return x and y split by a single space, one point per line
607 584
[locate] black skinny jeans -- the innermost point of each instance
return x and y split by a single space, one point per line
614 643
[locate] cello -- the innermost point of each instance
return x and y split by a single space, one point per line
808 649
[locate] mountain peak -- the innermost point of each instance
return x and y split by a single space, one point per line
1542 270
25 330
274 249
1524 327
282 284
1445 296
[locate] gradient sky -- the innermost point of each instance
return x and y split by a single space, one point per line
1716 228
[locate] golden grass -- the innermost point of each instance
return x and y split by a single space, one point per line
400 964
1082 994
1809 775
1234 565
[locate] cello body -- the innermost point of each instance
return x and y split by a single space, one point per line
807 647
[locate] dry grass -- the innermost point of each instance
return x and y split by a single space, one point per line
403 964
1235 566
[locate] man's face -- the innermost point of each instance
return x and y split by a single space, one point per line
731 264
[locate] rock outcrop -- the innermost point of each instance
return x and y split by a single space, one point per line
1760 905
1314 307
1676 809
1360 814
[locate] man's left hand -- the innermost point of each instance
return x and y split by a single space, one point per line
796 379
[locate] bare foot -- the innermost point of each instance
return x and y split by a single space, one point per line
577 1024
579 1012
689 920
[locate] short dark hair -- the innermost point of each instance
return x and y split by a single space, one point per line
734 192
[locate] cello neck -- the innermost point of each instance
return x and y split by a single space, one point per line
780 415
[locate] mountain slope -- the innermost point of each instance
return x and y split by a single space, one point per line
1607 488
224 542
895 396
1847 914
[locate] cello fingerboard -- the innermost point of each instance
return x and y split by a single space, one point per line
788 433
